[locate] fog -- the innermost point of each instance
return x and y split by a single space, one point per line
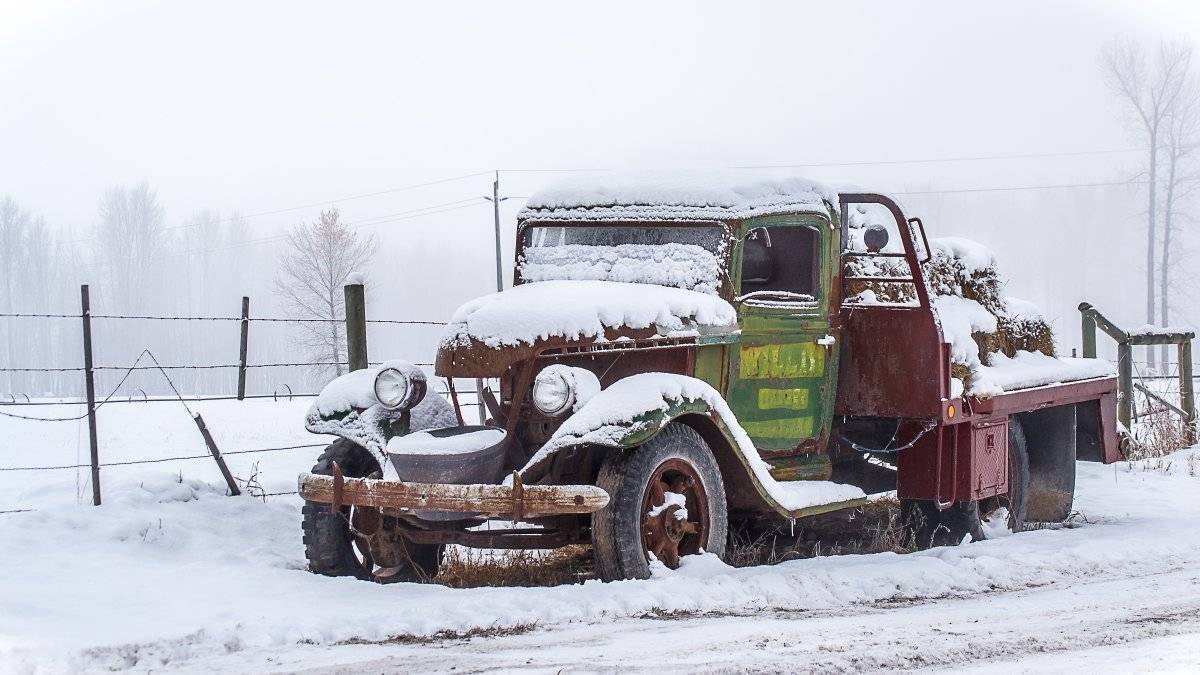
992 123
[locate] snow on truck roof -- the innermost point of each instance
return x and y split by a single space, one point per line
677 195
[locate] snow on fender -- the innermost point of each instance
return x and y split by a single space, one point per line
347 407
633 409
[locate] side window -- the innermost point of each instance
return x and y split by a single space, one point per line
781 263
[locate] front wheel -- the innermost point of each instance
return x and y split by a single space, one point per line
360 541
975 521
667 500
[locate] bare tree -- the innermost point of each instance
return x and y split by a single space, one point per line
317 263
14 225
1182 140
1149 98
130 239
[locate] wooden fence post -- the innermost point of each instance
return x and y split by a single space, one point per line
216 453
90 386
1187 394
1125 383
1089 331
356 326
242 348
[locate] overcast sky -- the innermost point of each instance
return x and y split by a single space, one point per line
257 106
264 106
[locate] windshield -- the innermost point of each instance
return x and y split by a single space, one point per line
679 256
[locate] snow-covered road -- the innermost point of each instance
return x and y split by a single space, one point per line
171 574
1122 625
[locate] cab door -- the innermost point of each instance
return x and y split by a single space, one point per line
781 374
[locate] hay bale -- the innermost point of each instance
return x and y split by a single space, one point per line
884 291
968 270
963 372
1028 334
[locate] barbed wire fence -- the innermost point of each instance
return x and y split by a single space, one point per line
11 402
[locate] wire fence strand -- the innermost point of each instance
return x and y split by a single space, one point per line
251 319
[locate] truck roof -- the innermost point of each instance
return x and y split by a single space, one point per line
677 195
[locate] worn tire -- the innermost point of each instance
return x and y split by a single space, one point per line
328 542
929 527
617 529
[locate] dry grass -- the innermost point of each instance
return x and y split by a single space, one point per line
872 528
444 635
1157 434
471 568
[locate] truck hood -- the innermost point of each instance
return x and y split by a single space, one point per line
486 335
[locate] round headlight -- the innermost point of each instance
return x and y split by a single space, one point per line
392 388
553 393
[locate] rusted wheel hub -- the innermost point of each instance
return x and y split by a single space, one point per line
674 513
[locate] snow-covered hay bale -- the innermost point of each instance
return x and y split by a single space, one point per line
967 292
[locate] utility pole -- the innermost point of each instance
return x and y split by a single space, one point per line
495 199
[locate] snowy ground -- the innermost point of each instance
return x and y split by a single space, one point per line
172 574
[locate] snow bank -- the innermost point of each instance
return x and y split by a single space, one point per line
584 309
1034 369
108 594
678 195
672 264
608 417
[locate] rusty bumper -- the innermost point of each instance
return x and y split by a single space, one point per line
515 502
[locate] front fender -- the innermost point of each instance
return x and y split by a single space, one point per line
347 407
621 434
371 427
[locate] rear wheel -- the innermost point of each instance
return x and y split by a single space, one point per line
358 541
667 500
975 521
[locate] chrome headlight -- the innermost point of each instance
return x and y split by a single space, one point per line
553 392
395 389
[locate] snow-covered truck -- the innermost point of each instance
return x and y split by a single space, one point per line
682 351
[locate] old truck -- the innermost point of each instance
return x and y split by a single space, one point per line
679 352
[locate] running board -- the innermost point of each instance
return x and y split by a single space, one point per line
828 508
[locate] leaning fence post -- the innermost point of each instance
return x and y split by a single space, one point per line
356 326
1124 382
90 386
1187 395
242 348
216 453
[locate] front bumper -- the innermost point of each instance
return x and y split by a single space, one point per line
510 502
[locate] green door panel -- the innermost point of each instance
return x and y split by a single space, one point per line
781 373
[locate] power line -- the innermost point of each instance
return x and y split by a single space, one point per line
938 160
424 211
289 209
1016 188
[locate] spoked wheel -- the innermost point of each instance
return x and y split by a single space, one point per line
667 500
360 541
676 520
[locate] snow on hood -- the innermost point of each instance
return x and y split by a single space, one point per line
584 309
678 195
